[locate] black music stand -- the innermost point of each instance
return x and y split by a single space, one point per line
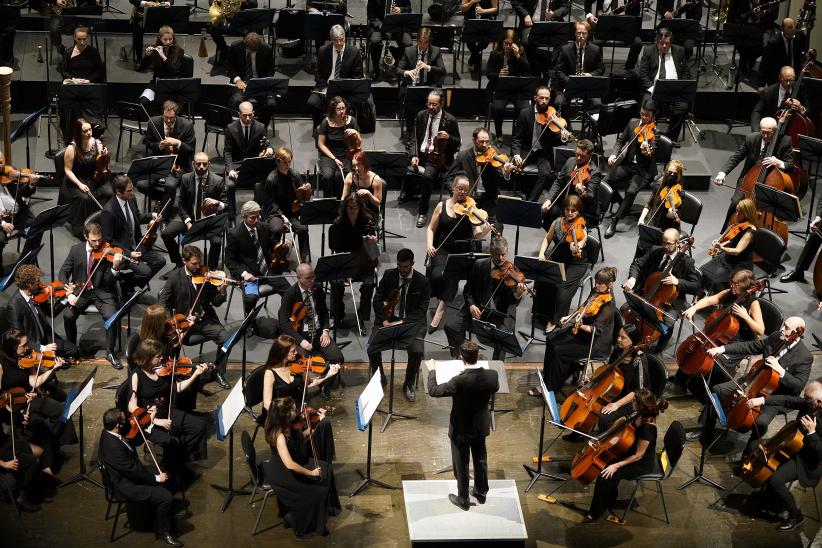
781 204
180 90
713 407
47 220
649 236
240 334
549 402
114 320
482 31
515 88
225 429
405 23
175 17
364 409
320 211
587 88
400 336
76 99
252 170
354 90
682 29
513 211
617 28
152 169
339 268
264 87
459 264
675 91
81 393
545 35
498 338
316 26
646 311
24 127
416 97
810 157
30 257
255 19
205 228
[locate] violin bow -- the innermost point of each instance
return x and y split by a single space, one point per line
157 222
171 386
588 365
312 328
627 145
36 376
148 445
88 281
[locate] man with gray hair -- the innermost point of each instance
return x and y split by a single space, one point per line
334 61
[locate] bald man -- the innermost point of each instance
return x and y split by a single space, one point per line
778 96
784 49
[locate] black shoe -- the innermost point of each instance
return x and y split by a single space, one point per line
409 394
609 233
476 495
383 380
675 144
375 76
791 523
170 539
26 506
793 276
115 363
221 380
455 500
421 221
325 392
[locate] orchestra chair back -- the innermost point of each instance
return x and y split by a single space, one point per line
132 117
770 247
257 472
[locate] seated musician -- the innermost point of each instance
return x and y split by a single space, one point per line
572 181
305 487
593 321
305 303
478 9
663 60
352 232
177 138
334 61
165 58
24 314
15 213
567 237
759 20
133 481
251 58
95 280
121 228
632 8
634 370
217 31
137 30
57 24
638 460
488 298
433 126
375 11
278 196
420 65
661 210
533 145
19 459
785 48
248 256
202 193
577 58
777 97
244 138
366 185
809 249
506 59
449 232
686 9
632 161
734 249
754 152
332 133
793 367
402 296
529 12
804 466
152 326
182 295
80 64
281 381
182 435
682 274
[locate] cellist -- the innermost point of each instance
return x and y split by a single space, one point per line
792 364
777 97
634 370
808 250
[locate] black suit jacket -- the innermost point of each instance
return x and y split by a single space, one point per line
684 270
130 478
529 7
447 124
293 295
749 152
694 12
797 362
646 163
480 286
769 103
375 10
215 188
241 255
74 269
236 61
809 458
471 391
277 193
565 63
20 317
433 57
416 299
115 230
236 147
351 64
178 295
183 130
775 56
589 201
649 65
466 163
521 142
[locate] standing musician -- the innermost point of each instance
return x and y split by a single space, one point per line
492 293
634 370
577 58
506 59
367 186
586 333
15 213
334 61
578 177
786 48
24 314
181 294
777 97
665 199
793 365
121 228
478 9
202 193
538 132
420 65
251 58
245 138
450 232
809 250
303 315
375 11
686 9
285 191
437 139
640 459
753 151
94 269
402 296
333 134
469 423
177 137
133 481
733 250
632 161
165 58
804 466
666 61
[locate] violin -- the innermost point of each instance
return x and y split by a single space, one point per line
437 157
315 364
732 232
509 275
138 420
590 309
21 176
302 194
46 360
670 197
313 418
644 134
107 252
15 395
46 292
214 277
279 257
298 314
555 123
391 302
264 144
102 173
177 329
476 216
580 176
492 157
574 234
183 367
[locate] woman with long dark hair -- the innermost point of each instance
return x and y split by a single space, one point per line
634 370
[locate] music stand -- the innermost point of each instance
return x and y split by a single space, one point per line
252 170
617 28
151 169
355 90
114 319
549 402
587 88
515 88
175 17
239 334
388 164
24 127
416 98
682 29
649 236
74 401
46 220
404 23
318 25
513 211
75 99
321 211
545 35
712 407
30 257
646 311
205 228
263 87
498 338
810 157
364 408
459 264
180 90
225 416
482 31
674 91
781 204
255 19
392 337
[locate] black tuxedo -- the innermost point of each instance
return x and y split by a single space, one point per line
275 196
469 423
432 57
525 8
646 164
117 232
241 256
183 130
236 59
565 63
351 64
21 316
684 270
648 68
775 56
237 148
447 124
543 156
293 295
768 104
633 168
694 12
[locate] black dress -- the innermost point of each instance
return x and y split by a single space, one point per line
323 433
330 178
343 237
445 287
304 502
553 301
82 204
634 376
717 271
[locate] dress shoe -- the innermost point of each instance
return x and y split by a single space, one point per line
455 500
675 144
27 506
674 389
375 76
112 359
383 380
409 394
609 233
221 380
170 539
476 495
793 276
420 221
791 523
325 392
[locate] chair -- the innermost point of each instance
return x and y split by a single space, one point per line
216 118
290 25
772 315
657 374
253 394
60 167
689 212
667 461
111 498
257 473
813 489
664 149
770 247
132 118
444 38
187 66
604 195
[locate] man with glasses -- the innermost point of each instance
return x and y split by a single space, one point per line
245 138
664 60
569 61
777 97
334 61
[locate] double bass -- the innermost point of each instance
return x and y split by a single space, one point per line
793 124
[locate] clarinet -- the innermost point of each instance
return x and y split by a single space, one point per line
505 57
417 68
580 49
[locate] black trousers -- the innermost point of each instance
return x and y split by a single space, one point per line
456 334
27 466
808 252
776 491
638 180
300 231
679 110
563 350
760 427
331 353
338 289
156 496
176 228
151 262
461 451
331 180
105 303
375 39
214 331
545 170
426 181
415 351
498 112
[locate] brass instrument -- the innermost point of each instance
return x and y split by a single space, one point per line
221 10
57 9
720 15
807 16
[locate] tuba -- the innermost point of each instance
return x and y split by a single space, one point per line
221 10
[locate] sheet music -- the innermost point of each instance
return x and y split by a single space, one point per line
76 397
227 413
366 405
448 369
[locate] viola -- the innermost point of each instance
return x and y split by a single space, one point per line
46 360
138 420
15 395
102 173
107 252
554 121
508 274
732 232
302 194
46 292
770 455
390 303
721 327
468 207
580 177
671 197
492 157
176 329
279 257
590 309
436 157
214 277
644 134
315 364
574 234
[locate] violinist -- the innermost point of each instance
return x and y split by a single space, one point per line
640 459
281 198
365 185
578 177
336 126
805 466
15 213
777 97
492 293
663 60
577 58
632 162
594 320
793 366
177 137
184 293
19 458
305 303
449 232
665 199
132 480
634 370
734 249
809 250
437 139
539 130
152 326
306 490
508 58
165 58
753 152
94 269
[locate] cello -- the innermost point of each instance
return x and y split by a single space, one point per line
770 455
592 459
